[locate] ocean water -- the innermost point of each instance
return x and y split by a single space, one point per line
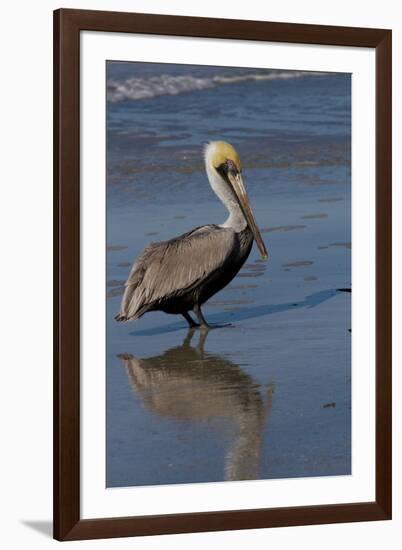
270 396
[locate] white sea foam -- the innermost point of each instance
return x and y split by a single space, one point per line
134 89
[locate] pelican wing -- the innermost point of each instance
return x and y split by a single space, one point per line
170 268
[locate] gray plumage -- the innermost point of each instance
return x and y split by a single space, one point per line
174 275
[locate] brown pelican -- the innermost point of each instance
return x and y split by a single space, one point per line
179 275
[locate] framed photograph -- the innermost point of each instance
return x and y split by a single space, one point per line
222 233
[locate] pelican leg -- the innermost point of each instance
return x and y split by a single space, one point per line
201 318
191 323
203 322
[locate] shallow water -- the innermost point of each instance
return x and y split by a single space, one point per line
269 396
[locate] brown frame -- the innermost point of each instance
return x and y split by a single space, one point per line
67 26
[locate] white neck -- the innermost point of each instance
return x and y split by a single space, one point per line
236 219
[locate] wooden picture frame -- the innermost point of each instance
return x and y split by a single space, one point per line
68 24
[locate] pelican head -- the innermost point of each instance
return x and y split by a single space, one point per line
223 167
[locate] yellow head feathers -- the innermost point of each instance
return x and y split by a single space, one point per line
218 152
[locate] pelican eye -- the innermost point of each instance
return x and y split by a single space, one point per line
232 167
227 167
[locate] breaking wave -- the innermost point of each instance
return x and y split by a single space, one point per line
134 89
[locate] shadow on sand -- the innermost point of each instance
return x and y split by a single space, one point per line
312 300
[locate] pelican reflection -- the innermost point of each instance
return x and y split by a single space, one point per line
188 384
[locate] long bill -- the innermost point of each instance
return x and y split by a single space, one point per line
241 194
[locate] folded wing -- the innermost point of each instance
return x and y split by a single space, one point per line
171 268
